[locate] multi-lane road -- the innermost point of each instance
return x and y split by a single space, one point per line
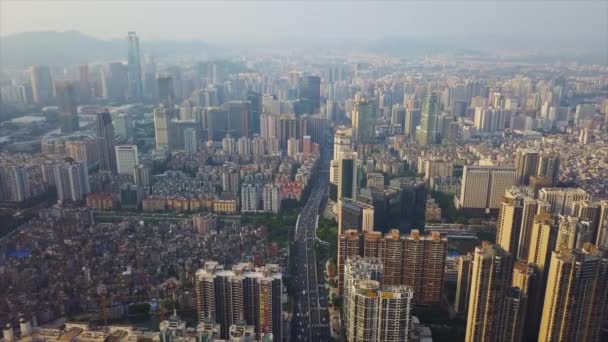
311 318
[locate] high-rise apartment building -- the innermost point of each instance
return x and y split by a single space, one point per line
483 187
68 106
190 141
514 224
243 293
601 239
548 166
135 90
72 181
14 183
526 165
141 176
105 141
543 239
463 283
378 313
423 266
126 159
349 245
562 199
161 128
490 283
357 268
428 131
576 295
573 233
271 196
251 197
412 120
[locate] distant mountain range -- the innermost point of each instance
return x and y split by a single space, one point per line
72 47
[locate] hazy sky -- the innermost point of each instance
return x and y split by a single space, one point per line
264 20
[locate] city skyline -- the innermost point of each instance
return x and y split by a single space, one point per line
320 178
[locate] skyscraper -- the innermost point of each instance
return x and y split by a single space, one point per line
412 120
135 90
166 93
68 110
364 121
309 92
190 141
244 293
463 283
14 183
428 132
357 268
490 282
255 110
126 159
114 82
378 313
71 180
548 166
84 89
348 176
576 296
349 245
514 224
238 117
424 264
543 238
105 141
526 165
42 84
161 128
562 199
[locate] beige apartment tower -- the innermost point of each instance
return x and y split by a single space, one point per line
490 281
575 298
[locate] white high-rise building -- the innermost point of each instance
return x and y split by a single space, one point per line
250 198
562 199
126 158
228 145
72 181
272 198
244 146
378 314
